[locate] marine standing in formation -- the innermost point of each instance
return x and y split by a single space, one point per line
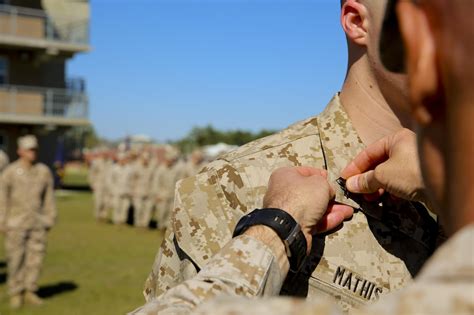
142 198
97 181
122 188
27 213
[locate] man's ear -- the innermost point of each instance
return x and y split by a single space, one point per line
354 21
424 78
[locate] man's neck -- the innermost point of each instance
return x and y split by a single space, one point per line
25 163
370 114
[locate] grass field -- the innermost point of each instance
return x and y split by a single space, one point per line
75 175
91 268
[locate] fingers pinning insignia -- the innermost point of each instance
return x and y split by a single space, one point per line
342 182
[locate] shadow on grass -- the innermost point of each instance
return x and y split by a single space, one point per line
3 273
51 290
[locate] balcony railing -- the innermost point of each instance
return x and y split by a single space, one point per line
43 105
35 25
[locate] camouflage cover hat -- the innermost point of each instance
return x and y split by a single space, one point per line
171 153
27 142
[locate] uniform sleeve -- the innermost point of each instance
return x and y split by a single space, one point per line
92 174
166 270
175 264
172 265
3 199
245 267
49 204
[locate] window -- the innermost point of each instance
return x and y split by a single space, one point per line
3 141
3 70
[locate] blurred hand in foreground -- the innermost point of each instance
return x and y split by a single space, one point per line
389 165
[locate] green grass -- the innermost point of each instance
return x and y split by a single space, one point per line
92 268
75 177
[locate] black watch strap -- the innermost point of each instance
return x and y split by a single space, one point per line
285 226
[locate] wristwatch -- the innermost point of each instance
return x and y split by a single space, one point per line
285 226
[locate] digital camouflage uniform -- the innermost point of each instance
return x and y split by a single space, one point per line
27 211
378 251
165 184
108 189
246 268
97 181
158 174
191 169
122 189
142 199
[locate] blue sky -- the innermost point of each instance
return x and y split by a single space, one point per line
160 67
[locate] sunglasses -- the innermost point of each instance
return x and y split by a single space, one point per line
392 50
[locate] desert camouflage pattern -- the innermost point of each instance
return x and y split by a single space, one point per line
246 268
191 168
25 251
264 278
109 184
142 194
27 211
378 251
97 181
27 197
122 176
164 183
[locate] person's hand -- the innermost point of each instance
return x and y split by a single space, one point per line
305 193
388 165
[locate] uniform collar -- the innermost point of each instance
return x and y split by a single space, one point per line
340 143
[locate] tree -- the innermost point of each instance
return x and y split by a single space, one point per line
202 136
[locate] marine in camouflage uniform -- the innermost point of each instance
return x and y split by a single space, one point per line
122 189
142 199
194 164
27 212
381 248
247 268
109 198
155 189
166 177
98 181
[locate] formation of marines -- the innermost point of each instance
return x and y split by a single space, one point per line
140 179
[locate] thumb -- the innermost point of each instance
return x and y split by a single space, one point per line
365 183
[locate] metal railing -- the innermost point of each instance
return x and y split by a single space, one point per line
43 102
36 24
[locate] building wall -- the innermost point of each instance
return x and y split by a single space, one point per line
37 67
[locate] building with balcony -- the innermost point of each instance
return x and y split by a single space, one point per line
37 38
